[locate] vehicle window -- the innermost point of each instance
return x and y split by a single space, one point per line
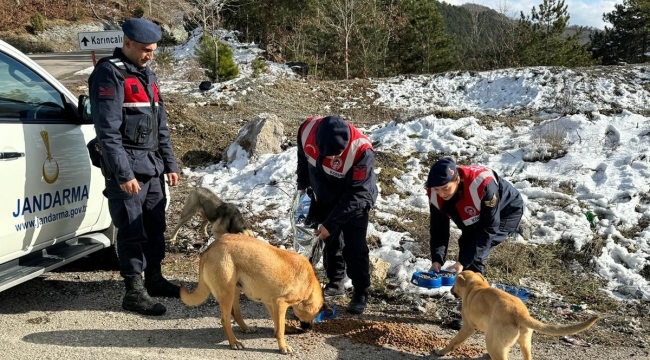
25 95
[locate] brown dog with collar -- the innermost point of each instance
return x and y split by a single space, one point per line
502 317
277 278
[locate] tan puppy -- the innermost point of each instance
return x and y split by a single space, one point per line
277 278
502 317
202 201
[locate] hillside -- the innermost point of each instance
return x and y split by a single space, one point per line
575 142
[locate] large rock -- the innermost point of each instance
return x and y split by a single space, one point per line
262 135
378 272
177 33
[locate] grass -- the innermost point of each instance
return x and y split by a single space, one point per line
630 232
567 187
510 262
392 166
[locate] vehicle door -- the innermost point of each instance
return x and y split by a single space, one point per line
48 180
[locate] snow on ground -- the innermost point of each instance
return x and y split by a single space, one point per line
594 162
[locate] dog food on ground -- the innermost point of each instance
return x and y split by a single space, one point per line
395 335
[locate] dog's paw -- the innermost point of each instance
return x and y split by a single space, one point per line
248 330
440 352
237 345
291 330
286 350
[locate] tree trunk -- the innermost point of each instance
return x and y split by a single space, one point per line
347 58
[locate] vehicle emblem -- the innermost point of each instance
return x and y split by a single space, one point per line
50 179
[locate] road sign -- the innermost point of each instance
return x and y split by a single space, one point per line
101 39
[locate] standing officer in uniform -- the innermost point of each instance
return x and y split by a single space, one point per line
131 127
336 161
485 207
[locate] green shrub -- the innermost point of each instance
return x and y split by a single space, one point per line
167 39
222 68
259 66
37 23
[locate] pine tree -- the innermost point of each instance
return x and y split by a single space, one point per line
628 39
542 41
216 58
423 45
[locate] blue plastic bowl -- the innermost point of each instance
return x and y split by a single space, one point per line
426 280
322 315
521 293
447 280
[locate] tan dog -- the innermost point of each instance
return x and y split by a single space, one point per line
202 201
502 317
277 278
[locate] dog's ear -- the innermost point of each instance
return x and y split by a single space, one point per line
459 280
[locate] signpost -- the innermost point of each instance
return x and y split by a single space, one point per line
100 40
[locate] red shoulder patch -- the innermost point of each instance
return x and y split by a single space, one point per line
106 91
359 172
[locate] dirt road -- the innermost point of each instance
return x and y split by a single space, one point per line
75 314
63 65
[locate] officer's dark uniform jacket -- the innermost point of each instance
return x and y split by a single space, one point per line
343 186
130 120
482 201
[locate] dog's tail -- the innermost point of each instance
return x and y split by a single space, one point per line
196 297
557 330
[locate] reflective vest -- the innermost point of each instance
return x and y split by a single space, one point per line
139 113
475 178
340 165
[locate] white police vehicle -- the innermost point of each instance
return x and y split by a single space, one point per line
52 210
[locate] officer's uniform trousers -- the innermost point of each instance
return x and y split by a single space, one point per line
140 223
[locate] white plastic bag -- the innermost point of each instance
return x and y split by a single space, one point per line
303 236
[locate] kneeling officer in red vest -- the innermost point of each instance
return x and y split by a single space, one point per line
484 206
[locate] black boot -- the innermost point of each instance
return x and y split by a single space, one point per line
157 285
334 289
358 303
137 299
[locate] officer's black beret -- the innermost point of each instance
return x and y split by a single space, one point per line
332 136
141 30
441 172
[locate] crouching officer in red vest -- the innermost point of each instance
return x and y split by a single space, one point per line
131 128
485 207
336 161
